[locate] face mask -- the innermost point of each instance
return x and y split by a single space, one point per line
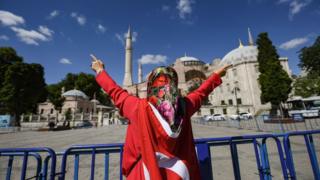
163 94
164 98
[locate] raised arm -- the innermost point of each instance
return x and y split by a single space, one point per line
126 103
195 98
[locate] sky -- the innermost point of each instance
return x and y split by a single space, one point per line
61 34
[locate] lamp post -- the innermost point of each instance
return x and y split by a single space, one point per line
235 90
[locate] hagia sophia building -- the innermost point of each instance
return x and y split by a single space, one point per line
239 92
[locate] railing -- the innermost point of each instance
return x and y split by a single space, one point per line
25 153
259 124
203 146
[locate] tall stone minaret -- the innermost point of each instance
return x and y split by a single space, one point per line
251 43
140 73
127 81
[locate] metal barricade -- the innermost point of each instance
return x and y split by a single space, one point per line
92 150
259 143
25 153
308 138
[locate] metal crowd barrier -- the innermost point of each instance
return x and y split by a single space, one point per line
41 171
259 143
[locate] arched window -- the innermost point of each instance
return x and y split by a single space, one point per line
192 74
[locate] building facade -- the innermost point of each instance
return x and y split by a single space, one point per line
239 92
76 102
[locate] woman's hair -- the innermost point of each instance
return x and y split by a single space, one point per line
163 70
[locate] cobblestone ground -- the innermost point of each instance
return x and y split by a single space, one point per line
221 159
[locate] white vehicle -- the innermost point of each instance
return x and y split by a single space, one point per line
241 116
207 118
309 107
218 117
245 115
234 117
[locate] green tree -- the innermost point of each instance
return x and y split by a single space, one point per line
69 81
307 86
54 95
8 56
87 84
23 87
275 84
310 58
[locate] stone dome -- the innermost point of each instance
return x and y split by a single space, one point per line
188 58
75 93
240 55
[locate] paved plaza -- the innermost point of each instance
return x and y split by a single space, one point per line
221 159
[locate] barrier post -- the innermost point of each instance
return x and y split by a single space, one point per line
289 157
10 162
204 158
312 155
235 160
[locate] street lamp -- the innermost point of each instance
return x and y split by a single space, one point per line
235 90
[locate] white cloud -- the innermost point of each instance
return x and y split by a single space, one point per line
122 37
153 59
65 61
4 37
101 28
80 18
184 7
46 31
293 43
296 6
54 14
29 36
9 19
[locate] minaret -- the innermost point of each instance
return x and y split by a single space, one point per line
251 43
240 43
127 81
140 73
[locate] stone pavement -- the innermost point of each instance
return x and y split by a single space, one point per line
221 159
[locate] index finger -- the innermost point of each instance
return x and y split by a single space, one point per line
93 57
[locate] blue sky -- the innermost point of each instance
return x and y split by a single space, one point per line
60 34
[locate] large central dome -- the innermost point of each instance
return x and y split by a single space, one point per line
188 58
241 54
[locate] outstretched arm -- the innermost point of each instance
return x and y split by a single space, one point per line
195 98
126 103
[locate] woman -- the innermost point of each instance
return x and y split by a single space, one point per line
159 141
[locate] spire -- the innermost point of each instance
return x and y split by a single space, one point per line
251 43
240 43
185 54
129 34
127 81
